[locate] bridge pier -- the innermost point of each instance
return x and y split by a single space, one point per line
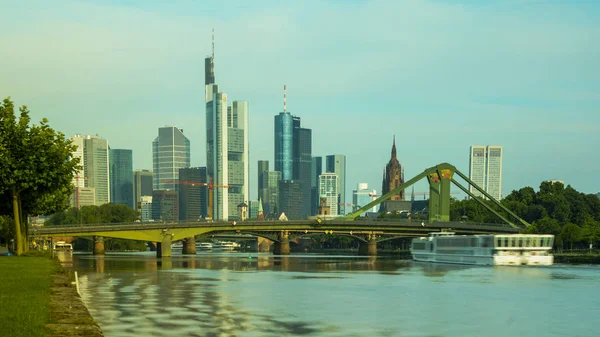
163 249
98 245
370 247
283 246
189 246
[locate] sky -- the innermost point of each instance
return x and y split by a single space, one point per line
439 75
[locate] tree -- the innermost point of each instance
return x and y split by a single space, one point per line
570 234
36 169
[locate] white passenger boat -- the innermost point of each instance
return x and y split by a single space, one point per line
63 246
223 245
508 249
204 246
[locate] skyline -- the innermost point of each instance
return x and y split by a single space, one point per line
463 73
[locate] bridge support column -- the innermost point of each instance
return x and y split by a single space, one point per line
189 246
283 246
98 245
370 247
163 249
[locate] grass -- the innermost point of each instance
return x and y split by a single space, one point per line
25 295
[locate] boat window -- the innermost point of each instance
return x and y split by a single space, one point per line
513 242
498 242
520 242
527 242
505 242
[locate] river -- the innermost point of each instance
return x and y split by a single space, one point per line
237 294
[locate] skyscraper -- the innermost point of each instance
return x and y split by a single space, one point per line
337 164
263 166
94 155
270 192
193 194
170 152
284 145
393 176
226 147
362 196
290 199
328 191
302 165
142 184
121 177
485 170
316 168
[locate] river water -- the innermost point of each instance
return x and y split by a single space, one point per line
236 294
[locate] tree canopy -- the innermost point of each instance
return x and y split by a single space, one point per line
572 216
36 169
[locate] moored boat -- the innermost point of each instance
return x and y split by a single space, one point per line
204 246
501 249
63 246
223 245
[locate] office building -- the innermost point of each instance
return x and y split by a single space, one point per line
170 152
227 147
94 157
393 176
145 208
290 199
253 207
316 168
83 196
284 145
362 196
165 205
193 194
142 184
485 170
121 177
337 164
263 166
270 193
328 191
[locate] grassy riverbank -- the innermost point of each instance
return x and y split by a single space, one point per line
25 284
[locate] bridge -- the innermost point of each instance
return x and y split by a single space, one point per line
369 232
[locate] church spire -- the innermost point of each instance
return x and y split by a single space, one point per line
394 148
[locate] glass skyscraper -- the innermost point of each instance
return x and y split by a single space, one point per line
94 158
485 170
337 164
170 152
142 184
121 177
284 145
193 195
315 171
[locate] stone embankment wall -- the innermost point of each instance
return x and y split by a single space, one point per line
69 317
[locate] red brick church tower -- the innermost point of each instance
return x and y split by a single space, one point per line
393 175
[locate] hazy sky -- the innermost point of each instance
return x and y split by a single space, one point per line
439 75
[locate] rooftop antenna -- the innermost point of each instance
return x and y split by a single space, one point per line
212 58
284 98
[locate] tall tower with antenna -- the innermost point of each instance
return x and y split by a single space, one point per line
209 64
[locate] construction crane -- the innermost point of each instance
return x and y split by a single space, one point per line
210 186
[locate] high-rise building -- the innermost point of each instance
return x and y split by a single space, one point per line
316 168
142 184
393 176
94 158
170 152
485 170
237 156
145 208
165 205
121 177
290 199
328 191
302 165
284 145
263 166
270 192
337 164
193 194
226 147
253 209
362 196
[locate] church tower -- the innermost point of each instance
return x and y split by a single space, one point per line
393 175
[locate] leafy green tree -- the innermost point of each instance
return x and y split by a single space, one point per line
36 169
590 232
570 234
545 225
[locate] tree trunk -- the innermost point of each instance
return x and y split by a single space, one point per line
17 218
24 225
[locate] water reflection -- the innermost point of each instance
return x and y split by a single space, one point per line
312 295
